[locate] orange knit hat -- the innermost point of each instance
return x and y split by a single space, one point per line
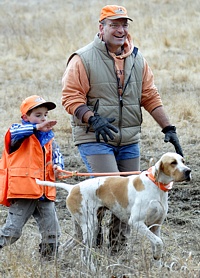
113 12
33 102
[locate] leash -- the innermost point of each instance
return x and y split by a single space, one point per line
70 174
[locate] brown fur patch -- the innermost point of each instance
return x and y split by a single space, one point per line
138 184
74 200
166 165
114 189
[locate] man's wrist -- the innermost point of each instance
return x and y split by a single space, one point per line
81 111
87 116
169 128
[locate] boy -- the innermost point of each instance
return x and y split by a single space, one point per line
31 152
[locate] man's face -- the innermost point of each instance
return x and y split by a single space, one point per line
114 32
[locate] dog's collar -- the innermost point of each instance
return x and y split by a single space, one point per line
164 187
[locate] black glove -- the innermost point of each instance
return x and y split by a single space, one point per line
171 136
102 127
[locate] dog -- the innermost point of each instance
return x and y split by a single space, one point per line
139 200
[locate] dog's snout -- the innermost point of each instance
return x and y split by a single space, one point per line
188 171
188 174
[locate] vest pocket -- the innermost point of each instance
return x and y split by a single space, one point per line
26 172
21 182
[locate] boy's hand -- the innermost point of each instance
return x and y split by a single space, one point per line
46 126
57 173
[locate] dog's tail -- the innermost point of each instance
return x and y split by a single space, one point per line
65 186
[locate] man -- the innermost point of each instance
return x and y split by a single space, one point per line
104 87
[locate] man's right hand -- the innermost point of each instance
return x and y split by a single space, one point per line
102 126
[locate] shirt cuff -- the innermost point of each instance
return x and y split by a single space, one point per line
80 111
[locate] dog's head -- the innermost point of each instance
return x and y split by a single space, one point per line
171 167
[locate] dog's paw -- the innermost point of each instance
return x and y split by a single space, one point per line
157 263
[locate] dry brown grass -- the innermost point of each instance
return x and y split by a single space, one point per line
36 37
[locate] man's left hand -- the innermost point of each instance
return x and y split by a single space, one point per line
171 136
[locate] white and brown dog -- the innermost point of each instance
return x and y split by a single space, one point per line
140 200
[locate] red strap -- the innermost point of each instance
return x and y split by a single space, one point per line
75 173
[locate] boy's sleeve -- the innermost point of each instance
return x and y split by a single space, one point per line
19 132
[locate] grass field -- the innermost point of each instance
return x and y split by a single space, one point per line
36 38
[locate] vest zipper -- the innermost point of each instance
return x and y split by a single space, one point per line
120 93
122 90
44 152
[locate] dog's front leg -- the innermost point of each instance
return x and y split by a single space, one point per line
155 229
156 242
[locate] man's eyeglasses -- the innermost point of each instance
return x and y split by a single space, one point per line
116 26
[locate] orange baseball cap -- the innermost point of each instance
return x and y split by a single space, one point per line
33 102
113 12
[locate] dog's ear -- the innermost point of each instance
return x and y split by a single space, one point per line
158 169
151 162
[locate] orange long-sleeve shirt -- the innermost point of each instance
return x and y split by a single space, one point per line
75 83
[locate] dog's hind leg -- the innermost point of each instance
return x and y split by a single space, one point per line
74 240
89 230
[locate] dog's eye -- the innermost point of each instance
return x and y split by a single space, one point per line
174 162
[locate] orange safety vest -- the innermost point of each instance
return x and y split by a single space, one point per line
19 170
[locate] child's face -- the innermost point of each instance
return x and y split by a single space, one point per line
37 116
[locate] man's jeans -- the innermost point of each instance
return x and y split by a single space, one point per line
102 157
